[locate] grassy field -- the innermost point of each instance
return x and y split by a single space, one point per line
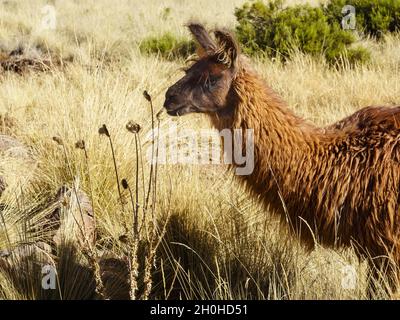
215 241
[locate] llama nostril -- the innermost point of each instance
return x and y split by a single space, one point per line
169 100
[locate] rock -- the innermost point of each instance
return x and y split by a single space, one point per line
26 58
75 213
40 249
17 163
11 147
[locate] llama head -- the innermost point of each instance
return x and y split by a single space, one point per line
206 84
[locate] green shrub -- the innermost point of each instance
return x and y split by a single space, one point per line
358 54
168 46
278 31
373 17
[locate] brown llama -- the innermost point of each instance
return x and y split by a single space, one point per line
339 184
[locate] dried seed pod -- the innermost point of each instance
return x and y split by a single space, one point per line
125 184
58 140
103 130
146 95
80 144
160 114
133 127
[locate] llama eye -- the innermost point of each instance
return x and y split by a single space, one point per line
211 83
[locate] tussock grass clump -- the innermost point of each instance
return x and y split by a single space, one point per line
230 262
27 59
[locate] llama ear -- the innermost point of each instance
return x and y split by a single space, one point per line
207 45
228 49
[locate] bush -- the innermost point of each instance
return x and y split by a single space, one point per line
279 31
168 46
358 55
373 17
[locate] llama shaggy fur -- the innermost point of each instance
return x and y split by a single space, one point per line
338 184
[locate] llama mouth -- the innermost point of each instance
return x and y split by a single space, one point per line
180 111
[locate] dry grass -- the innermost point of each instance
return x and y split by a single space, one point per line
218 242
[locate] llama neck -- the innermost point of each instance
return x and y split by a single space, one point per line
283 142
279 134
260 108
